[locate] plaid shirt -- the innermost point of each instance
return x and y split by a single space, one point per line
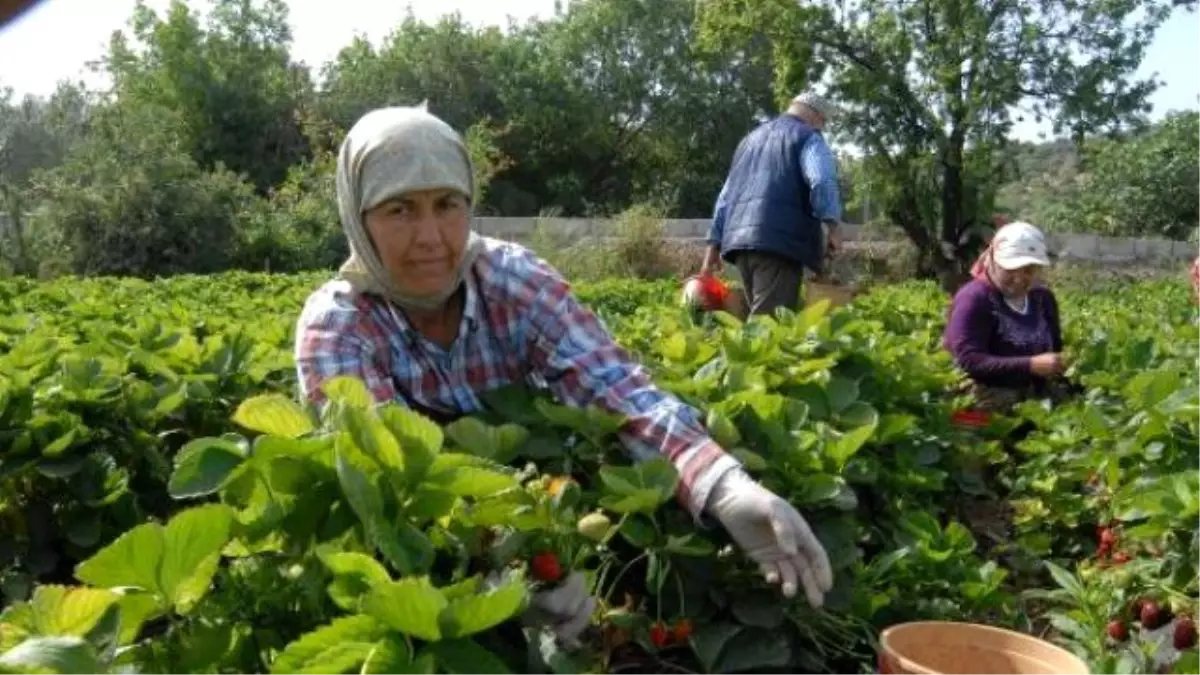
520 324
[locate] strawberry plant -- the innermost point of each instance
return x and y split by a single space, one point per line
168 506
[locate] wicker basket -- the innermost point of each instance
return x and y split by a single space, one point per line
834 283
814 291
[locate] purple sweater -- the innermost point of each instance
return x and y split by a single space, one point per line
993 342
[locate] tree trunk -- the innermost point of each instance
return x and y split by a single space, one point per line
953 268
19 258
931 262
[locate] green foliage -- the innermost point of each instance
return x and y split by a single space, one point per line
129 201
1045 182
229 80
195 518
608 105
929 90
296 226
486 157
34 134
1144 186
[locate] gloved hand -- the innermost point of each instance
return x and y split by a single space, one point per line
773 534
566 609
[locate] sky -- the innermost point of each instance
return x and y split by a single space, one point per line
55 40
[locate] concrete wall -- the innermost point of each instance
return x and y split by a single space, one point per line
1084 247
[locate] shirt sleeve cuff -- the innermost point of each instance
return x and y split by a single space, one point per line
701 467
714 236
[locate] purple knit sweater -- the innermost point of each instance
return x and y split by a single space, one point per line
992 342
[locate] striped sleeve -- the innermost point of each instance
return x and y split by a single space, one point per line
583 364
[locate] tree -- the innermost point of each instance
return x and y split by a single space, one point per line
229 81
1146 185
1044 183
930 90
129 200
450 64
665 112
35 134
459 71
603 105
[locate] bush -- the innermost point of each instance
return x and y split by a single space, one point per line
130 201
1144 186
638 249
297 226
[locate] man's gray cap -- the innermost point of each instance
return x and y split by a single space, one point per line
817 103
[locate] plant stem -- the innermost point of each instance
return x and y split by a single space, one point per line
608 594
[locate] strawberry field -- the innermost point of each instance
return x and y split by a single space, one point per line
167 506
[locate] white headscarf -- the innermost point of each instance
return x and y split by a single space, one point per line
389 152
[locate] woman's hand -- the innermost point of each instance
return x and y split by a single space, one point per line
566 609
1048 364
773 534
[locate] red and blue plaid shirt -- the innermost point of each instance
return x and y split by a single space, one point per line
520 324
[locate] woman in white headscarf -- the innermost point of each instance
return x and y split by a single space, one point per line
1003 327
431 315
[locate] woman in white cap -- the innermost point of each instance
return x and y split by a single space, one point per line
1003 328
431 315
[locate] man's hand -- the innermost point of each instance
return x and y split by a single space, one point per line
1048 364
712 260
773 534
833 237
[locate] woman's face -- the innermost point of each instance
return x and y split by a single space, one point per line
1015 283
420 237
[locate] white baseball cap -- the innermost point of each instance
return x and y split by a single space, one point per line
1019 244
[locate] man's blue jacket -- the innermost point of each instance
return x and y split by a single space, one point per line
766 203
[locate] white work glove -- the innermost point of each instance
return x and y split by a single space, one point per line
566 609
773 534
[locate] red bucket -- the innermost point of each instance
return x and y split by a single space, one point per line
710 294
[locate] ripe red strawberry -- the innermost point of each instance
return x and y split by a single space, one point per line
1152 615
976 419
683 630
1120 557
659 635
1118 631
1108 538
1185 634
546 567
